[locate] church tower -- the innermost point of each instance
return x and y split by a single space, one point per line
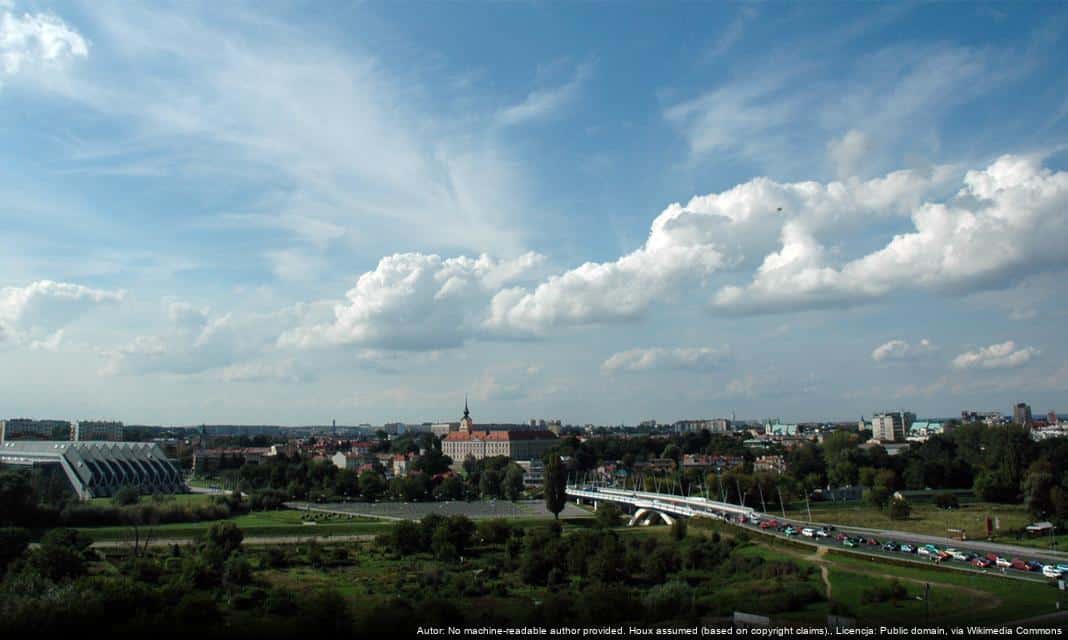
467 425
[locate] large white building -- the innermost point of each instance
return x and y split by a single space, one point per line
98 469
468 441
27 429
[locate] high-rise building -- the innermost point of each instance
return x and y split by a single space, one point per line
1021 414
891 426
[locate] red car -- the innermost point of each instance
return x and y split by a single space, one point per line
982 562
1020 565
993 557
769 524
871 541
840 537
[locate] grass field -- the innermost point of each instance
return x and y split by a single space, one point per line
262 524
925 518
955 597
181 498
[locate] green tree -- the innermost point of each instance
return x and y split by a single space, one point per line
878 496
371 485
512 484
946 500
223 539
555 486
13 542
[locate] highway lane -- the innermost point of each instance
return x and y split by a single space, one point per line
899 537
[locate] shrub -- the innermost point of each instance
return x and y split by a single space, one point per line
946 501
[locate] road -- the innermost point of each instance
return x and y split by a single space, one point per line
900 537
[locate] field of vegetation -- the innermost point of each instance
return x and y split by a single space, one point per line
925 518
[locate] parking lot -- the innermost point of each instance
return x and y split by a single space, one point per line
416 510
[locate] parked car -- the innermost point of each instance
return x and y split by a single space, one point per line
790 531
1063 567
822 533
850 542
768 524
959 555
841 537
890 546
1035 565
942 556
1003 563
908 548
1020 565
808 532
982 563
1051 571
925 551
872 542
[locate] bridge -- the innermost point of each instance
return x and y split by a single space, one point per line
646 506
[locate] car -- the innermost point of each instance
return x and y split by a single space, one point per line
822 533
871 542
1003 563
841 537
908 548
982 563
942 556
790 531
808 532
849 542
1062 567
769 524
890 546
958 555
1035 565
1020 565
1051 571
925 551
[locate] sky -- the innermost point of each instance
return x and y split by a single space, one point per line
296 212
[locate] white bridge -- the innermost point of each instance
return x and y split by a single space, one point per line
646 505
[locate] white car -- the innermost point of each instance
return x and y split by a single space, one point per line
808 532
821 533
958 555
1051 571
1004 563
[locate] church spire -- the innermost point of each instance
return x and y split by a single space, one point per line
467 414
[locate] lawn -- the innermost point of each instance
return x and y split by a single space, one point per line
926 518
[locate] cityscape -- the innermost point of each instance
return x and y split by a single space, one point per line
529 319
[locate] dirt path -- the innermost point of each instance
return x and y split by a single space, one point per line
825 573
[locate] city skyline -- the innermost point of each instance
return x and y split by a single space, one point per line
288 214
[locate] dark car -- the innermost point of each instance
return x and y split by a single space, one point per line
890 546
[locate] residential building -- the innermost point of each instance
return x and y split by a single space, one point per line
1021 414
921 430
97 430
208 460
770 464
891 426
27 429
989 418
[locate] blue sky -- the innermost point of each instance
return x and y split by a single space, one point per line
295 212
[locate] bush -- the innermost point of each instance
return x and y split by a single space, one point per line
899 509
891 592
126 496
946 501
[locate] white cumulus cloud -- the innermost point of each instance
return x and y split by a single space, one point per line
37 38
659 358
45 306
414 301
996 356
1006 222
902 350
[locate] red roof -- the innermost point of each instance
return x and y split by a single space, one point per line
499 436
